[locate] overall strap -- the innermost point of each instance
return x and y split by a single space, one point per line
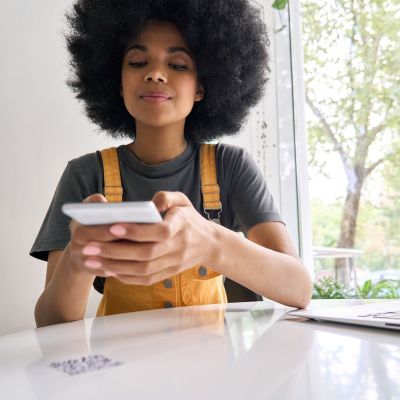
209 186
112 176
208 171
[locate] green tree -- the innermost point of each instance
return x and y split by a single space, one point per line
352 58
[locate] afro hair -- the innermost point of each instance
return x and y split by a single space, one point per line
227 38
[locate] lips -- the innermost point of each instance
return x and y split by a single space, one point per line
155 96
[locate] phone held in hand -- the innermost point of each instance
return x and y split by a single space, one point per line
143 212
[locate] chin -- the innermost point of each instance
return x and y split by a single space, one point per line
158 121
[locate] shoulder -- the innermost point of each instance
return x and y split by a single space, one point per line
86 162
226 151
88 166
86 171
231 163
233 159
229 157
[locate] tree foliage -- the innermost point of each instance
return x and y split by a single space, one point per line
351 59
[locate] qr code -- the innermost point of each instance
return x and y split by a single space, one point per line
90 363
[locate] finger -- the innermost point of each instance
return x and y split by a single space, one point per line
82 234
166 200
165 230
135 268
77 253
151 279
126 250
99 272
94 198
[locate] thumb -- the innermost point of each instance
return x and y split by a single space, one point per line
95 198
166 200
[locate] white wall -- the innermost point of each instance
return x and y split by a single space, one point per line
42 127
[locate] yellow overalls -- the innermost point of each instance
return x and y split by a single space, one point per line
197 285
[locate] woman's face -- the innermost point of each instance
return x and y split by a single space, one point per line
159 79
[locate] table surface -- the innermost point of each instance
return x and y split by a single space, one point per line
235 351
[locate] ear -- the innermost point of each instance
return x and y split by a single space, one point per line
199 93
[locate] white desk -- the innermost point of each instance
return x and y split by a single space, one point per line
206 352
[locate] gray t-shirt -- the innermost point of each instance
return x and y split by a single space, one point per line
245 198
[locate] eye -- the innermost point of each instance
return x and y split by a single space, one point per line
137 64
179 67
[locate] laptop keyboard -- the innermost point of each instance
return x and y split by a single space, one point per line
387 315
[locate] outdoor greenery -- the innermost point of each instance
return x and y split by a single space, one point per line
280 4
378 233
351 61
327 288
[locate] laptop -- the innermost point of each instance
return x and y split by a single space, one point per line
385 314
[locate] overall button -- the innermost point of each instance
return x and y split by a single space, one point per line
168 304
168 283
202 271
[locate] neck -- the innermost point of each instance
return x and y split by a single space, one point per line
154 145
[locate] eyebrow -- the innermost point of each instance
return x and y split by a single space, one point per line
170 49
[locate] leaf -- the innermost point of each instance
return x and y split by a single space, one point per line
364 291
279 4
327 288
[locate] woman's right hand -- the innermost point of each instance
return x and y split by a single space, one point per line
81 235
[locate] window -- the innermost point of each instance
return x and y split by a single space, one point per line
351 58
274 135
327 135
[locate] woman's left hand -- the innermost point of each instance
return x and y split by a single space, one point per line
148 253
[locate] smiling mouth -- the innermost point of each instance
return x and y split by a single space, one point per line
155 98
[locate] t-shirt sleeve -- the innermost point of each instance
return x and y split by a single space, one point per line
54 233
251 201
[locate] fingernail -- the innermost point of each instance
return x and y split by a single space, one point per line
91 250
93 264
118 230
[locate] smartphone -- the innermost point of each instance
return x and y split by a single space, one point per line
143 212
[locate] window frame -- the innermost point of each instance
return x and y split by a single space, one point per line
275 133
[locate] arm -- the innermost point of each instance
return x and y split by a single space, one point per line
68 278
66 290
267 263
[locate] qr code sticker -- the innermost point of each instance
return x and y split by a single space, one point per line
90 363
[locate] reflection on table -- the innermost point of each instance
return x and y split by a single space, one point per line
242 350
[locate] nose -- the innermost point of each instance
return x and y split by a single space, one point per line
156 76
